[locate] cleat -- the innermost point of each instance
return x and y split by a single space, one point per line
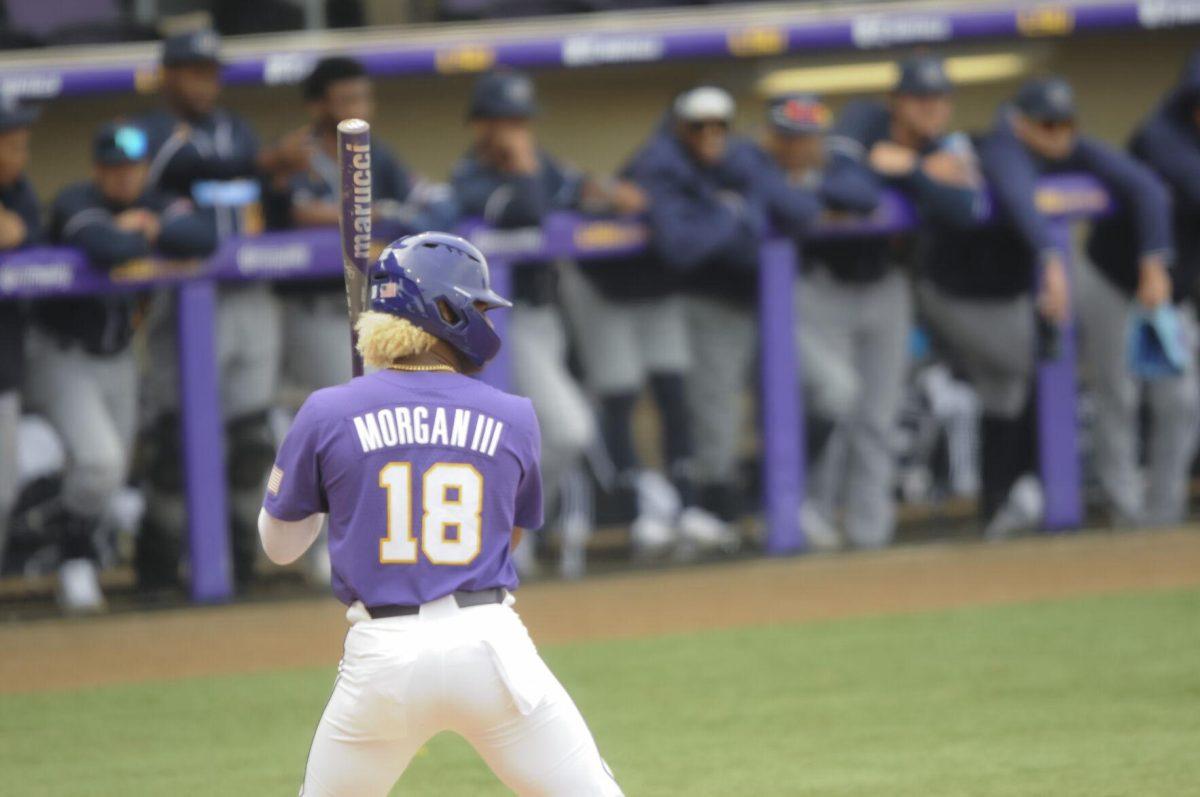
707 532
79 587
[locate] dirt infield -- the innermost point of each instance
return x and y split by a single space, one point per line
245 638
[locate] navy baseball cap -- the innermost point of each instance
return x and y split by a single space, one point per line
923 76
14 114
798 115
196 47
118 142
503 95
1047 99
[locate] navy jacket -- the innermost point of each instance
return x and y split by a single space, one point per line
1169 143
17 198
403 204
851 185
83 218
706 222
1141 223
509 201
212 161
998 259
793 210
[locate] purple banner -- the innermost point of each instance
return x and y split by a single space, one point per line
637 39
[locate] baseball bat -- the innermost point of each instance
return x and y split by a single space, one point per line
354 222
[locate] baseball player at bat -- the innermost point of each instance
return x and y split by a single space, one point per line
427 477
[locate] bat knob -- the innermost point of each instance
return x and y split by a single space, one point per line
353 126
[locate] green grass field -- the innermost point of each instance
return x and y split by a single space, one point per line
1096 697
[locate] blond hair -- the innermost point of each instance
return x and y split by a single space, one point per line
383 339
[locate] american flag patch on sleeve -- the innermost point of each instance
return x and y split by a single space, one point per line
276 480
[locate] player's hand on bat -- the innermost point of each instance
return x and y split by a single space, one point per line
891 159
1154 282
12 230
1054 296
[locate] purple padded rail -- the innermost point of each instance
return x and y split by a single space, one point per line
1058 420
781 406
203 438
635 38
314 254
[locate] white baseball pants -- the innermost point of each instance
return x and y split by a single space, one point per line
473 671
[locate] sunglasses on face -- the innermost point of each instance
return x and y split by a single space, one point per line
703 124
1056 126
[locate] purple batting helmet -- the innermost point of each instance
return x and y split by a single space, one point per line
434 280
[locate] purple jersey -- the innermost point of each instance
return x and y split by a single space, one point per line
423 474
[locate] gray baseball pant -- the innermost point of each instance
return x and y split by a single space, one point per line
538 341
10 418
248 352
622 342
91 401
853 339
1104 315
316 340
991 340
723 337
248 360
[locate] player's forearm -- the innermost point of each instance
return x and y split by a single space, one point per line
285 541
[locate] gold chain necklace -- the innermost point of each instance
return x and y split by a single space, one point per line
446 368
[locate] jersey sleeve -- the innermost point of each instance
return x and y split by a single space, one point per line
294 488
527 512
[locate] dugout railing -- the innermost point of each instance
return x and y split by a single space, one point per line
764 30
48 272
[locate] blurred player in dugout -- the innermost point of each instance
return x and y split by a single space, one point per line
506 179
855 306
794 142
211 156
710 194
1169 143
1138 264
82 372
632 320
20 225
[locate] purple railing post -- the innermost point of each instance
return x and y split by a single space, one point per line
203 443
498 372
1057 418
780 405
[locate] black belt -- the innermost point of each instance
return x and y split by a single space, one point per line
463 598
